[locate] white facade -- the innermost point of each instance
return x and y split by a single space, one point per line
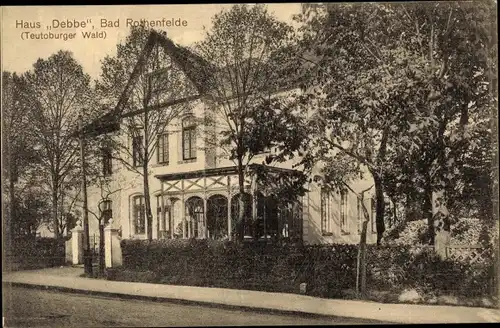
325 219
199 191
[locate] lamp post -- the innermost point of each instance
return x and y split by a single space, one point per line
87 255
102 222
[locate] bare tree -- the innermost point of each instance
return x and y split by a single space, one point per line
160 94
57 90
241 78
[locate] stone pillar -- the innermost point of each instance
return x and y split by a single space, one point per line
112 248
68 251
77 245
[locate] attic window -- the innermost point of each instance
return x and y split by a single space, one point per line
158 81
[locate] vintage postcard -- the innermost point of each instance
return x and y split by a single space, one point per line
250 164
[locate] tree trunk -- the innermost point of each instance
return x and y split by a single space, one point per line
55 212
101 247
380 208
240 226
361 258
147 202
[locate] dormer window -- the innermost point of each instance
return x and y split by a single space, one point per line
158 81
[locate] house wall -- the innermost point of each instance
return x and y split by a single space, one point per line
313 233
127 184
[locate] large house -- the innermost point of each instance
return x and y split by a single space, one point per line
194 186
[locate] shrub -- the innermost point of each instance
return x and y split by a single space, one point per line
252 265
398 268
34 253
328 270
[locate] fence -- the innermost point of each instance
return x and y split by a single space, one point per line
470 254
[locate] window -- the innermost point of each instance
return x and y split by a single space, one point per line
344 225
195 215
159 77
162 149
138 215
164 226
326 213
137 153
188 139
158 81
107 211
107 168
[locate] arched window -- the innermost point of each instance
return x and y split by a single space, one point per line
195 216
327 211
244 226
217 217
189 138
163 219
139 215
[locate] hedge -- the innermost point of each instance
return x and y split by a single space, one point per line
35 253
328 270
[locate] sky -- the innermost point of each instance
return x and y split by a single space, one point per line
21 25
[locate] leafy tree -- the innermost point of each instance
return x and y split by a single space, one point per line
456 56
353 87
243 84
55 92
392 85
19 156
150 107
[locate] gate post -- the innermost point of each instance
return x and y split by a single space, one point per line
77 245
112 248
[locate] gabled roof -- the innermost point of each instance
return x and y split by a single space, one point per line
192 65
196 69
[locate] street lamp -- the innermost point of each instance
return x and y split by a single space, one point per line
103 218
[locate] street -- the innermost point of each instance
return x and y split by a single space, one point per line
26 307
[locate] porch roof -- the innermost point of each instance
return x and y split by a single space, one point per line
228 170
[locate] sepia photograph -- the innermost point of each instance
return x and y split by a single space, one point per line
250 164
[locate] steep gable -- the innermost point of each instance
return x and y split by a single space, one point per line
186 69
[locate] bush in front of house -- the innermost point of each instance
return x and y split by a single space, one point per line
405 267
328 270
